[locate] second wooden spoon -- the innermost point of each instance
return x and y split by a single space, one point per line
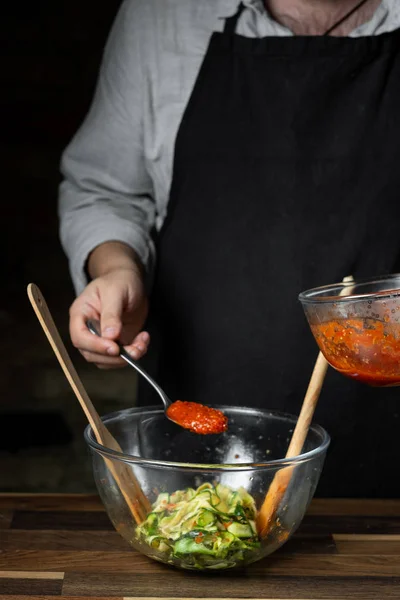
122 473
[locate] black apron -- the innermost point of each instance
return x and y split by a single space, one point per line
286 176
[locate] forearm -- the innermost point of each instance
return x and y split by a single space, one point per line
107 193
110 256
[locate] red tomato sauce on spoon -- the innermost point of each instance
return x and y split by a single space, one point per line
197 417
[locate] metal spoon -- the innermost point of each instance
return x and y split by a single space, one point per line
94 327
194 425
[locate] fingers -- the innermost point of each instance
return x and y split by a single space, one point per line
105 301
103 362
100 351
139 346
84 340
111 313
137 350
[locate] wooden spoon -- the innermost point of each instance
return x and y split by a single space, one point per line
125 479
280 482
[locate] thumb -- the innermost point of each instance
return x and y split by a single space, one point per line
111 315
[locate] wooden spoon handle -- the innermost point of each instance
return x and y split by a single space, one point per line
282 478
312 395
46 320
125 479
308 408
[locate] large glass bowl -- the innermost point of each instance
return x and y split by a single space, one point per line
357 327
165 458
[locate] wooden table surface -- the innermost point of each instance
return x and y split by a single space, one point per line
64 545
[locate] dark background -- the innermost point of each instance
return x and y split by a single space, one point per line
50 60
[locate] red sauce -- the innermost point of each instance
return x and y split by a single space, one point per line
364 349
197 418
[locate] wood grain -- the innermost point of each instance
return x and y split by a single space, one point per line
295 565
81 560
354 506
109 541
51 502
30 575
28 586
64 546
91 502
33 597
368 544
86 521
309 544
234 585
350 524
6 518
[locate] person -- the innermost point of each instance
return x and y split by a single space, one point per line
235 154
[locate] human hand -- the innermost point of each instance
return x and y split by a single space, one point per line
118 300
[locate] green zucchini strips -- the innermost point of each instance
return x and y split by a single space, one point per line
212 527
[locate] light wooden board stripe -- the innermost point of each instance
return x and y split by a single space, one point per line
357 537
31 575
366 545
354 507
21 597
50 597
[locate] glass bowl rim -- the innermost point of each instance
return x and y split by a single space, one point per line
160 464
311 296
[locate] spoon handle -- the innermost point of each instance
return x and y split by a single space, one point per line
282 477
139 369
94 327
123 475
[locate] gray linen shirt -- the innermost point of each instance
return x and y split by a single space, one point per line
118 167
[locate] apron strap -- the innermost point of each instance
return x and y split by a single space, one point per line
231 22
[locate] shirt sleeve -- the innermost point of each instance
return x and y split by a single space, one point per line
106 193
